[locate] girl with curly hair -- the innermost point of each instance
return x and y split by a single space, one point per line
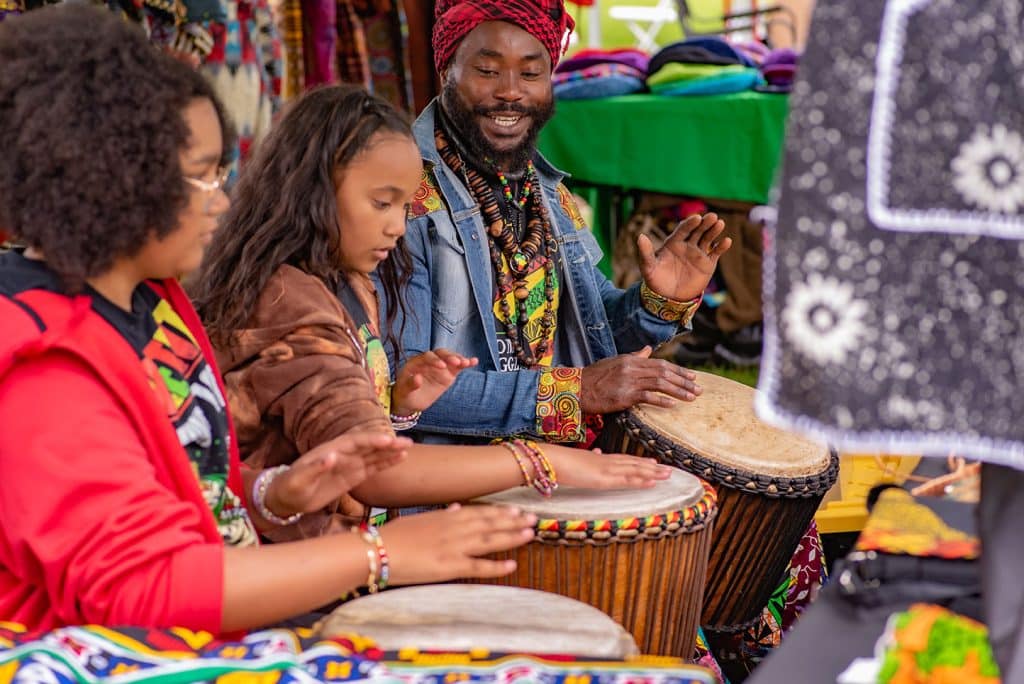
286 293
123 502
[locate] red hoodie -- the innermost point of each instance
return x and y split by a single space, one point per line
103 518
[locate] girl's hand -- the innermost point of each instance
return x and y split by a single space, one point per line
595 470
444 545
323 474
424 378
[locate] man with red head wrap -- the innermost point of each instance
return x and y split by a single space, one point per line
503 266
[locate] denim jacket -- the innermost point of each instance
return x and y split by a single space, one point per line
450 300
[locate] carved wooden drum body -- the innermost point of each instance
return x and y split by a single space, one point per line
639 556
769 485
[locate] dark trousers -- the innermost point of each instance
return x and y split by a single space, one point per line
1001 528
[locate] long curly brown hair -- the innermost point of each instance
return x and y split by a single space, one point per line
284 211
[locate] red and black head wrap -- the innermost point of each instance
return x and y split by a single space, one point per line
545 20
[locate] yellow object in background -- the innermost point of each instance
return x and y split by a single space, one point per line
844 508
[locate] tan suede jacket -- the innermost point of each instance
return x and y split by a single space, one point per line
296 377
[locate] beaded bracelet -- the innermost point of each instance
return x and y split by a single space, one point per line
527 480
400 423
259 497
371 580
545 469
371 535
544 480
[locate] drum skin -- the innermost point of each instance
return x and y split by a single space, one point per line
618 552
464 617
769 485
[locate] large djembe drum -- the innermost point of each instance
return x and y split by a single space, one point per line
769 484
466 617
639 556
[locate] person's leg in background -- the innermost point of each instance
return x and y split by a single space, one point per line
1000 512
731 332
739 316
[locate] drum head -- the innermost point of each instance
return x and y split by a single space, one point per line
677 493
460 617
721 427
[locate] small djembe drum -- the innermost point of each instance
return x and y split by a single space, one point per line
465 617
639 556
769 484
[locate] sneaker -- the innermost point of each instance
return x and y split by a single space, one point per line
743 347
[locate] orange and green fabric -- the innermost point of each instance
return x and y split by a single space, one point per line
931 645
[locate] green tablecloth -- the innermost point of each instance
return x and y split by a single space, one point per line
712 146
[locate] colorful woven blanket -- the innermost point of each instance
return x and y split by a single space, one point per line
139 656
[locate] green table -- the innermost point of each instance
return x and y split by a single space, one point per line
710 146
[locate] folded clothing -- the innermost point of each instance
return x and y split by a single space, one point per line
637 59
702 79
720 84
596 71
598 80
700 50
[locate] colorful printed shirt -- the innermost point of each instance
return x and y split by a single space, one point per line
182 379
536 305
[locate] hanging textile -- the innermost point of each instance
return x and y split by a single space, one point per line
894 313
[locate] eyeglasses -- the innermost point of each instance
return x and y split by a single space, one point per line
210 186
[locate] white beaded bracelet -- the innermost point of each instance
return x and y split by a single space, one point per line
259 497
400 423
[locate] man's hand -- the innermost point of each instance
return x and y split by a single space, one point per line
682 267
617 383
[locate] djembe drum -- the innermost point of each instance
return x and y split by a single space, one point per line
769 484
465 617
638 555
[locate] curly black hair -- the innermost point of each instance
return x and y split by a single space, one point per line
91 128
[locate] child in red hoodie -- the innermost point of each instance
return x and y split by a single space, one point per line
122 499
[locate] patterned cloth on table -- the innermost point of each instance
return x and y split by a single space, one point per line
93 654
738 654
245 68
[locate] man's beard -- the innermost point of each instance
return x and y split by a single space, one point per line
472 138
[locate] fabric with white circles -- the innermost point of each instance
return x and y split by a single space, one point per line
894 319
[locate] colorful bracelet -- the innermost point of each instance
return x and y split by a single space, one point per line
371 535
544 479
548 469
400 423
259 497
371 580
527 480
666 309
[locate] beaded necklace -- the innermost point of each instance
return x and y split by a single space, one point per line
519 253
527 186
